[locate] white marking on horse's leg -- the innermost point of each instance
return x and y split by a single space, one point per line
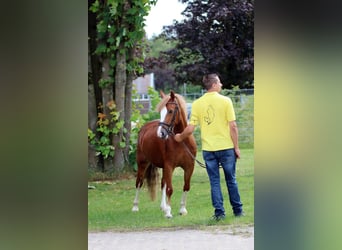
168 211
136 201
163 198
182 210
165 207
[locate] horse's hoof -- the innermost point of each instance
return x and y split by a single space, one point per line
183 211
135 209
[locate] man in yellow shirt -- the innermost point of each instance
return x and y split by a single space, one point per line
215 115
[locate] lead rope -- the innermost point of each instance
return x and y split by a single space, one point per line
193 157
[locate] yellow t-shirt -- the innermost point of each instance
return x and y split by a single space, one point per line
212 112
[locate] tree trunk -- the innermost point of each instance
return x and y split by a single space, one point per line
92 119
107 96
94 75
128 107
120 83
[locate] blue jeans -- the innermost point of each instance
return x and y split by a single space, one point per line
227 159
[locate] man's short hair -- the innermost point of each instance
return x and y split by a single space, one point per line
209 79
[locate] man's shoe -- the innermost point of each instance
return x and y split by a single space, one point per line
241 214
219 217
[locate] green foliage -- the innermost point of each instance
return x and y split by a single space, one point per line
120 28
215 36
103 145
155 99
107 128
110 203
104 82
191 88
156 61
157 45
120 31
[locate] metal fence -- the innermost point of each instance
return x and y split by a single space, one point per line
243 101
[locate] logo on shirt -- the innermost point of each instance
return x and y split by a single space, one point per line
209 118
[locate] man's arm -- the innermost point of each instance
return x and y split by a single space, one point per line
235 137
186 132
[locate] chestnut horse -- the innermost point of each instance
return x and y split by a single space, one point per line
157 149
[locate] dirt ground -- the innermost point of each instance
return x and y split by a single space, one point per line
227 238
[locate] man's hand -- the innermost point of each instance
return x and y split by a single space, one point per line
178 138
185 134
237 153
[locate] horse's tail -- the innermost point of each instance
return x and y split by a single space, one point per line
152 176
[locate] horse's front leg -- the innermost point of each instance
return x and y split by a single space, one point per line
165 202
182 210
187 177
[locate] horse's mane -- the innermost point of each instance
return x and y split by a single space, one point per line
180 100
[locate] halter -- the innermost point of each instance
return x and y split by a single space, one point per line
168 127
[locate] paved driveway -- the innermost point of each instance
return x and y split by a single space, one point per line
176 239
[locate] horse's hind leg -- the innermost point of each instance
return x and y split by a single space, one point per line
135 207
138 183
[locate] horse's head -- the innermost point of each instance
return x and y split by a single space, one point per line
169 117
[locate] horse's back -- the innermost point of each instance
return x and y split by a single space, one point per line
149 125
153 149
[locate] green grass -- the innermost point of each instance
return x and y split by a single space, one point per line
110 203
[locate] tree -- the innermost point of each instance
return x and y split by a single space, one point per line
156 62
116 59
223 41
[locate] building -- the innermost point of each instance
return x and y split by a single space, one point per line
141 84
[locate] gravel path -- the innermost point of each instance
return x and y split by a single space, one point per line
177 239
